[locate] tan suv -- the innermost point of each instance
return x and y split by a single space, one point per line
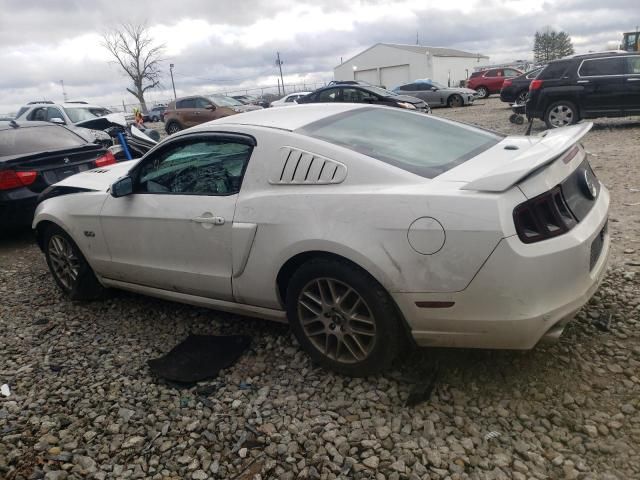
189 111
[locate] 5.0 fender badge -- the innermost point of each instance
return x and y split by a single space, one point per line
89 233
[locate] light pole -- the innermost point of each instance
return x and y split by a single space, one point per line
279 63
172 83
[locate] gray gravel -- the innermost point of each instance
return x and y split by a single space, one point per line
83 403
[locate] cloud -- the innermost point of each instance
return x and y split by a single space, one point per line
224 45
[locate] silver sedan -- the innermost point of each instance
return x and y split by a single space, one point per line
437 95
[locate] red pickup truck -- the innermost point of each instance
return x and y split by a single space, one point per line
489 81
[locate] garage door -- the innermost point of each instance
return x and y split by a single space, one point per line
393 76
370 76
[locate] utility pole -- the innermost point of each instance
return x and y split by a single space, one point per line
172 83
64 94
417 39
279 63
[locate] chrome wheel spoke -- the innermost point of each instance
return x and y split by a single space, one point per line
64 262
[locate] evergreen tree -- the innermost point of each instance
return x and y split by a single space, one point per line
550 45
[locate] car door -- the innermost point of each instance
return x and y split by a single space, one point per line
54 112
186 111
174 231
632 85
603 83
328 95
494 79
205 110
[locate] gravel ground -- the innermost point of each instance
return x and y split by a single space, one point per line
84 405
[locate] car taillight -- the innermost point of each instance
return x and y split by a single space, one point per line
507 83
11 179
535 85
106 159
543 217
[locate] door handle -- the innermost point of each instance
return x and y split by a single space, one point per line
583 81
209 220
633 79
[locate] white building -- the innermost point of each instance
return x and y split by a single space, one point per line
392 64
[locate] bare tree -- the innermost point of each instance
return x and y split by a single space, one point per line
138 55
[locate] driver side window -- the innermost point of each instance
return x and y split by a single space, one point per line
197 167
202 103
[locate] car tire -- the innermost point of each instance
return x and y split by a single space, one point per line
173 127
483 92
69 268
522 97
155 119
561 114
455 100
343 318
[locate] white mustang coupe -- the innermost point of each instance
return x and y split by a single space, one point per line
360 225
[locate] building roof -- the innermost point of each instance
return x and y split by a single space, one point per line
435 51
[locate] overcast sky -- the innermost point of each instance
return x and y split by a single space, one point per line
221 44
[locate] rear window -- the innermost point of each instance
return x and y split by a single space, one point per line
417 143
554 70
23 140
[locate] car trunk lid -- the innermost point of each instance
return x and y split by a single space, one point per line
517 158
54 166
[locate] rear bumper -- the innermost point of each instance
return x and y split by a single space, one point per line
521 294
17 208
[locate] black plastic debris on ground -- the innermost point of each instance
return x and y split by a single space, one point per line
199 357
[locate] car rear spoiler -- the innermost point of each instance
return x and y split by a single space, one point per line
552 144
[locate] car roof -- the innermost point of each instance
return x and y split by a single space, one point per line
608 53
7 124
290 118
62 104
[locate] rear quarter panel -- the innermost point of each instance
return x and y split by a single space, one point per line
364 219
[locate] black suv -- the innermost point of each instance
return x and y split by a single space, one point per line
586 86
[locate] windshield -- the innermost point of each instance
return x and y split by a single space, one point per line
23 140
380 91
79 114
413 142
223 101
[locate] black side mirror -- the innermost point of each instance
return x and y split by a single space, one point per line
369 99
122 187
434 89
211 107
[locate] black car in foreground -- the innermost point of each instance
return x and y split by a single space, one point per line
33 156
515 90
605 84
364 94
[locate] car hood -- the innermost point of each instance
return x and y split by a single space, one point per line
100 123
514 158
98 179
247 108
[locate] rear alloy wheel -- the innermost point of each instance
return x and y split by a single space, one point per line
561 114
68 266
482 92
522 97
173 127
455 101
343 318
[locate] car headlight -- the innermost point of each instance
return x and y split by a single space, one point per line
408 105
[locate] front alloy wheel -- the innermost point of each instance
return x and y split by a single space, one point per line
64 262
68 266
343 318
456 101
482 92
336 319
